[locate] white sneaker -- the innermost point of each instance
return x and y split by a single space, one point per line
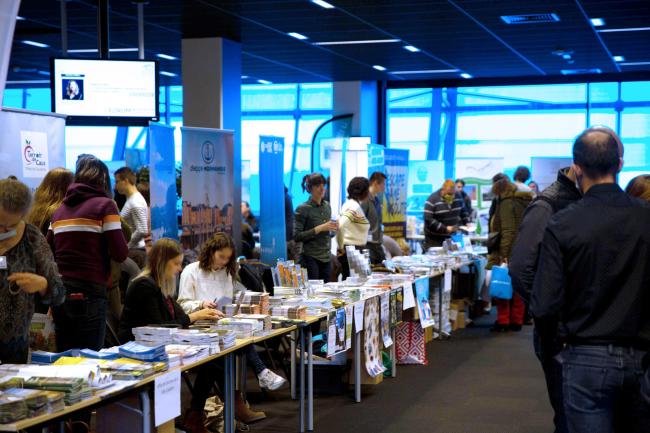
270 380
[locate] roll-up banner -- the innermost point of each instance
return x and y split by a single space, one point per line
8 12
396 162
162 183
208 186
31 144
273 238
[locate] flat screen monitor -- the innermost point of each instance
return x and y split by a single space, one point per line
105 92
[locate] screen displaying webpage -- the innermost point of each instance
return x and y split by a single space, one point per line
105 88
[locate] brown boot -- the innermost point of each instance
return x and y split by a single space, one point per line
244 413
194 421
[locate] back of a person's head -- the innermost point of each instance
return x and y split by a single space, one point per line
15 197
639 187
49 195
358 188
522 174
596 153
377 177
125 173
500 183
92 171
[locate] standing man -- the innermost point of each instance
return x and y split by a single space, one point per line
372 208
135 212
591 290
444 212
523 267
521 176
467 201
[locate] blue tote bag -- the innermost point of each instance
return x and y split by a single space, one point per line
500 283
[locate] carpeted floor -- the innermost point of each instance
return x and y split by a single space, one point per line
476 382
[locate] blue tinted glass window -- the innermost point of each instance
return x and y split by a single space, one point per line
39 99
269 97
316 96
13 98
635 91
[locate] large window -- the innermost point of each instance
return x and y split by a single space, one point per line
517 124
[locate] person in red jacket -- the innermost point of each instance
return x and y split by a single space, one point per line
85 234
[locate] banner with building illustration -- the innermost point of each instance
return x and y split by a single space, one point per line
208 194
273 239
162 182
396 163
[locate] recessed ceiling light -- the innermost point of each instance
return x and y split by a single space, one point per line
243 77
411 48
597 22
28 81
630 29
166 56
379 67
112 50
168 74
123 50
83 50
322 4
297 36
35 44
466 75
19 18
366 41
264 82
425 71
581 71
635 63
619 58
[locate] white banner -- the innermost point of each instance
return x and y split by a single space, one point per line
8 12
208 185
31 144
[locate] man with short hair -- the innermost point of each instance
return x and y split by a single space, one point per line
521 176
134 211
372 208
591 289
467 201
444 212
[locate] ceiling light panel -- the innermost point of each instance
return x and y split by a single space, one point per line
359 42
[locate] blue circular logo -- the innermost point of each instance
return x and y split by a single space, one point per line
207 152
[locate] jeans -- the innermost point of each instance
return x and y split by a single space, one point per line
601 389
254 359
206 376
553 375
80 324
316 270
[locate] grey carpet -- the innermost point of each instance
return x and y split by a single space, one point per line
476 382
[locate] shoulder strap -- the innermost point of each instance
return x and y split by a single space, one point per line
552 203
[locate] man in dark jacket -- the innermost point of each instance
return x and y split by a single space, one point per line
444 211
592 291
523 267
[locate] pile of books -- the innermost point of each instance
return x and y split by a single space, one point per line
227 338
298 312
229 309
12 409
264 318
11 381
75 389
37 401
199 338
128 369
150 335
142 352
261 299
243 328
180 354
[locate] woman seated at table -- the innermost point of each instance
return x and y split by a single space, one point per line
150 301
209 283
28 272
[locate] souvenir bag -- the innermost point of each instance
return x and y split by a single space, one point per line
500 283
410 347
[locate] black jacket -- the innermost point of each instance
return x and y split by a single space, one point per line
145 305
525 251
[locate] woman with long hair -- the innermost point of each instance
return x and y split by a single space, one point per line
639 187
150 301
49 196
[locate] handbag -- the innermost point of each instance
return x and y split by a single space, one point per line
410 347
500 283
493 241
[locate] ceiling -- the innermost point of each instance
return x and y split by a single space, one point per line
456 36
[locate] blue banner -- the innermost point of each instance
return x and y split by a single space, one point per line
396 162
162 182
273 238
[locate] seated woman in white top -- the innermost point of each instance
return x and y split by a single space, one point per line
209 283
353 224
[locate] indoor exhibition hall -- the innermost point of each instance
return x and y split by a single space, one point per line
359 216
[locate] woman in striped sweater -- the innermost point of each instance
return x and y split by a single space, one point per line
353 224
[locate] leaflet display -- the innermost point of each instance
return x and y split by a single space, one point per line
105 91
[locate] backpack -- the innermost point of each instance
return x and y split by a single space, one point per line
256 276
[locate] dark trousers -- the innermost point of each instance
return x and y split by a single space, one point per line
377 255
206 376
601 389
316 270
80 323
343 261
553 375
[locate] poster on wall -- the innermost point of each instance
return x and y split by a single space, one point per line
375 158
207 186
478 168
162 182
273 238
30 144
396 162
424 178
8 12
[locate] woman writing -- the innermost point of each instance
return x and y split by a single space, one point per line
312 227
27 272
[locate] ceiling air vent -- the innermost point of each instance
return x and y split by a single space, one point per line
580 71
530 18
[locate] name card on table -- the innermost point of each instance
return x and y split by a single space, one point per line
358 315
448 281
167 397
